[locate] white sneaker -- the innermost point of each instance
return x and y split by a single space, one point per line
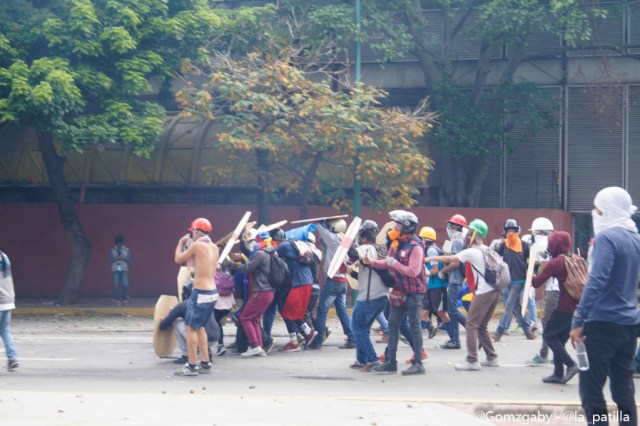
253 351
262 353
490 363
468 366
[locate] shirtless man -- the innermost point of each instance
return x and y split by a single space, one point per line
202 254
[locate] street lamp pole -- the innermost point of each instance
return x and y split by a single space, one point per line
357 183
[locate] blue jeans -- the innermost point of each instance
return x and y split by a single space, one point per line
121 285
5 333
454 313
512 307
363 315
384 324
332 293
411 310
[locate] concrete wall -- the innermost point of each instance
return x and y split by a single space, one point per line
33 238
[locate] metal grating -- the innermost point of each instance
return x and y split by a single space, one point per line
595 138
607 31
633 143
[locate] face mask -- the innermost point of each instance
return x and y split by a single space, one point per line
598 221
393 234
251 244
453 234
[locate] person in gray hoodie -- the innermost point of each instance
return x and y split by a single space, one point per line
7 304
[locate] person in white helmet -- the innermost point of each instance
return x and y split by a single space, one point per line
541 228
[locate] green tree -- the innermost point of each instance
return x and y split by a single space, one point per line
76 70
475 118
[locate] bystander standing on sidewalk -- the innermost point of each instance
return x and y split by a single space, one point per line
119 257
7 304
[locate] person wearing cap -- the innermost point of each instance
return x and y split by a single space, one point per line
119 257
515 253
484 302
435 302
455 231
607 318
405 261
203 253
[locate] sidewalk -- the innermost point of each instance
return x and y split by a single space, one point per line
137 307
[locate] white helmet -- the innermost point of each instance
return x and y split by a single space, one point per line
249 234
541 224
338 226
311 238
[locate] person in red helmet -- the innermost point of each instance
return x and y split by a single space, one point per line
203 254
455 226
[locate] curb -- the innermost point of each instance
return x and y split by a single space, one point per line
83 311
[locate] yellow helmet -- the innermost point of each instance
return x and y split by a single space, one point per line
427 232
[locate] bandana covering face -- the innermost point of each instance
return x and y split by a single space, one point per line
617 208
513 242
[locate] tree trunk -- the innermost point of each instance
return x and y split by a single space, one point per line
80 245
262 157
306 186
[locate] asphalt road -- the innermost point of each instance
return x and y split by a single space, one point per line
78 370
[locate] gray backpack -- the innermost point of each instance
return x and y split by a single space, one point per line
496 270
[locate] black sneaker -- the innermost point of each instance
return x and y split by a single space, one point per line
347 345
553 379
182 360
413 370
386 367
205 368
571 371
221 350
450 345
12 364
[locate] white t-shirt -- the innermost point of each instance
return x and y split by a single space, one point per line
476 258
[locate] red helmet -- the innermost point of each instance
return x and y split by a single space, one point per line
202 224
458 219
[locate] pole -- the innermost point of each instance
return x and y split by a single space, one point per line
357 184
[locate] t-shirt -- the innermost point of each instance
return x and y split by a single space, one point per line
370 284
474 256
435 281
455 276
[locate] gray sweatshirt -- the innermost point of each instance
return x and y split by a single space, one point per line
7 294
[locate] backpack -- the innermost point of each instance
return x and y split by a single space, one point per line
278 271
385 275
224 283
577 275
305 255
496 270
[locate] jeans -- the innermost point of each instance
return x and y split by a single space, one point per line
269 316
480 313
455 315
556 334
5 333
610 349
333 292
532 311
384 324
411 309
363 315
121 285
512 307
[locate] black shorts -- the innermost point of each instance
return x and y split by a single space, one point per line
200 308
436 299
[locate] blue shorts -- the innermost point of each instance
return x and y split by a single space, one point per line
200 308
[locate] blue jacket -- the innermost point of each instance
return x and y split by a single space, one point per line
610 293
300 274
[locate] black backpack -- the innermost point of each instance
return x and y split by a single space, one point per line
387 277
278 271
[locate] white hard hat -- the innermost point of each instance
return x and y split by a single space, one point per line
339 226
249 234
541 224
311 238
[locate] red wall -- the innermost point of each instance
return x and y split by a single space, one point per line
33 238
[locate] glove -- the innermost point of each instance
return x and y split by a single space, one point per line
390 261
228 265
441 275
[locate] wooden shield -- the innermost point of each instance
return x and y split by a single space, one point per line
164 341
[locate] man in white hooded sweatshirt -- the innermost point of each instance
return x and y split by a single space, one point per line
607 316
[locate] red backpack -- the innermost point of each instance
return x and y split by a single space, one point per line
577 275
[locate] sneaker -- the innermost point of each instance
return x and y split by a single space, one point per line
221 350
182 360
386 367
369 367
432 332
12 364
425 355
468 366
413 370
490 363
347 345
252 352
537 361
530 335
187 370
383 339
357 366
309 339
300 338
450 345
270 345
326 334
231 346
552 379
381 358
571 371
496 336
205 368
290 347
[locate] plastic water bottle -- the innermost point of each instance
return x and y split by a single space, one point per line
583 359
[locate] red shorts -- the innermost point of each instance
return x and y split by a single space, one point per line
297 301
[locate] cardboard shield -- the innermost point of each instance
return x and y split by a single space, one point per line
164 341
234 237
341 252
318 219
533 252
383 232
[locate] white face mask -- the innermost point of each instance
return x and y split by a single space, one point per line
453 234
598 222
